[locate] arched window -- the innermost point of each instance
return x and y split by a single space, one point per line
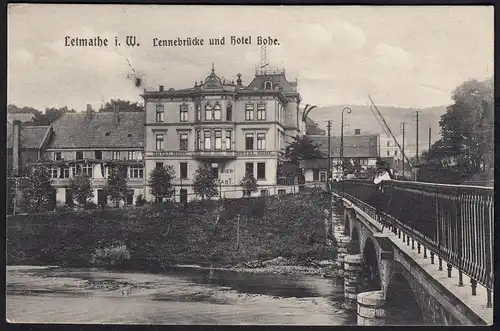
229 112
216 112
388 143
268 85
208 112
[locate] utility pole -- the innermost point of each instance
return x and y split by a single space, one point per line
417 112
429 140
403 123
329 180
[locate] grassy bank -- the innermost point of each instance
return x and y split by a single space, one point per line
159 236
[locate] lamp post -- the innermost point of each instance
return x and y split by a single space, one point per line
348 110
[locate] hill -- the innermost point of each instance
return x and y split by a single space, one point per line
362 118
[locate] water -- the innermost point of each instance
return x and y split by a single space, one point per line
183 296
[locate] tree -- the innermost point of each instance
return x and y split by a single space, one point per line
249 183
467 144
160 182
81 188
38 191
11 194
301 148
41 118
116 186
123 106
205 183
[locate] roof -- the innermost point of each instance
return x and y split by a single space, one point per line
314 164
312 127
75 130
277 78
20 117
32 137
354 146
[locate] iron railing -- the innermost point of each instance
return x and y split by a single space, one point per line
454 222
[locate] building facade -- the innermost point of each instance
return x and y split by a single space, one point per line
230 127
92 143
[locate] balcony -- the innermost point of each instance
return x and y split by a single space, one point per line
218 154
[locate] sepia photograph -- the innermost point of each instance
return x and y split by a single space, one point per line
250 165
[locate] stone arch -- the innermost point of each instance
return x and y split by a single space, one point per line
401 303
354 244
371 270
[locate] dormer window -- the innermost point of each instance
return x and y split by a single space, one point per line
268 85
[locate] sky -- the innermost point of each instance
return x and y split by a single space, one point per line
400 56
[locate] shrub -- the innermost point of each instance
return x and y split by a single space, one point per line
140 201
63 208
90 206
110 255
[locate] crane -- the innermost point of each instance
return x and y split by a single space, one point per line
386 128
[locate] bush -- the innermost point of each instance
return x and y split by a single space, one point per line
110 255
90 206
63 208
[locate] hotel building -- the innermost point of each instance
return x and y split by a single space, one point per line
230 127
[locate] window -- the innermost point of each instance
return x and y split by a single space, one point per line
184 113
184 170
57 156
53 172
249 112
198 112
261 112
228 140
139 155
98 155
183 142
322 176
395 152
131 155
218 140
79 155
249 141
249 168
199 144
136 172
87 170
281 192
159 113
261 170
159 142
315 174
388 143
74 170
261 141
208 143
64 172
208 112
388 152
159 165
217 113
268 86
130 197
263 193
247 193
229 112
116 155
215 171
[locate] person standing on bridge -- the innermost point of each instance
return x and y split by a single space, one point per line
382 174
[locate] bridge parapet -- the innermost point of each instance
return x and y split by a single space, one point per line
454 222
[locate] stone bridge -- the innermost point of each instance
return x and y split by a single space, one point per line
393 276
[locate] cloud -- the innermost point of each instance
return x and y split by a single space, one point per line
393 57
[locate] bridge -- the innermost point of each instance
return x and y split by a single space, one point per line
416 253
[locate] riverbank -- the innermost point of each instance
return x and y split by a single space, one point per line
234 234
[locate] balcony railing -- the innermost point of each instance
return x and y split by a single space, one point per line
455 222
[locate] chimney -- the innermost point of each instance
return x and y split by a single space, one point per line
239 81
116 111
161 88
16 142
357 132
89 111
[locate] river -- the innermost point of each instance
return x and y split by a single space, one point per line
182 296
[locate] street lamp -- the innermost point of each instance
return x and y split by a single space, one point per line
348 110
